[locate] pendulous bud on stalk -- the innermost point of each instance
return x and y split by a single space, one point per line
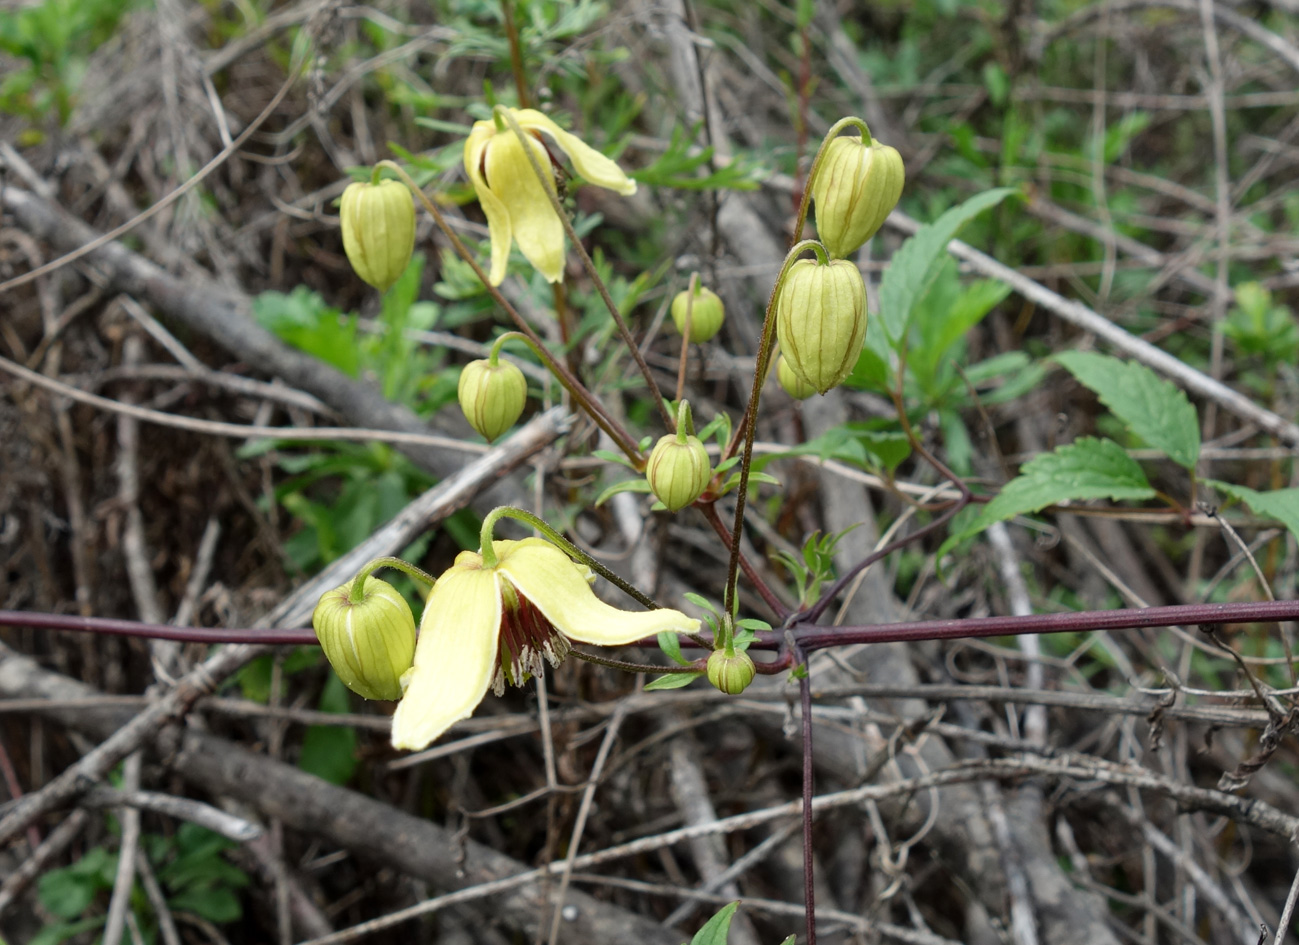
731 673
378 230
706 316
679 469
821 320
371 642
857 184
794 385
492 396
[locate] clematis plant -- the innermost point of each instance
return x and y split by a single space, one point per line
517 207
495 616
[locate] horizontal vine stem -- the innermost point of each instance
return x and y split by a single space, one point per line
808 636
155 631
819 638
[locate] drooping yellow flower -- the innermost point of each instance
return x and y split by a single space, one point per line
512 197
486 626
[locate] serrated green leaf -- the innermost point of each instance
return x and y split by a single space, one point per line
627 485
671 681
1154 409
916 263
1280 504
717 928
1087 469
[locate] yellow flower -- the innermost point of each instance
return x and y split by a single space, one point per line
512 197
486 626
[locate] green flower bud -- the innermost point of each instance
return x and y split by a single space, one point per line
731 674
821 320
378 230
706 316
679 470
794 385
857 184
492 396
369 643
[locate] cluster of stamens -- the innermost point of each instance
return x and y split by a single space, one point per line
526 638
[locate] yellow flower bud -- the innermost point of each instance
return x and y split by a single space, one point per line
794 385
857 184
369 643
731 674
821 320
706 316
679 470
378 230
492 396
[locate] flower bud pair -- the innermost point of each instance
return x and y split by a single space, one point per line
370 642
857 185
378 223
821 321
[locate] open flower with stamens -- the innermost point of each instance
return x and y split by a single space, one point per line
516 206
484 626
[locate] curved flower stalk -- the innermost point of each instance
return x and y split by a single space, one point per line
488 624
518 210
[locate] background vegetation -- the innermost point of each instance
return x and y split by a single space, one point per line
1148 151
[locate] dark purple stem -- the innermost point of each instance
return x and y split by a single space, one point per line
154 631
811 638
809 890
808 636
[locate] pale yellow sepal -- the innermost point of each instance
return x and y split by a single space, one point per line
457 654
455 657
513 199
549 578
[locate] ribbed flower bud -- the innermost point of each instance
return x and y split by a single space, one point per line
378 230
706 316
492 396
678 470
794 385
821 320
857 184
370 643
731 674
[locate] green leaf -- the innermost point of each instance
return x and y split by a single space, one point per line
56 934
754 477
942 325
717 928
627 485
671 681
65 894
1152 408
917 262
612 457
670 644
329 751
218 904
1280 504
1087 469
